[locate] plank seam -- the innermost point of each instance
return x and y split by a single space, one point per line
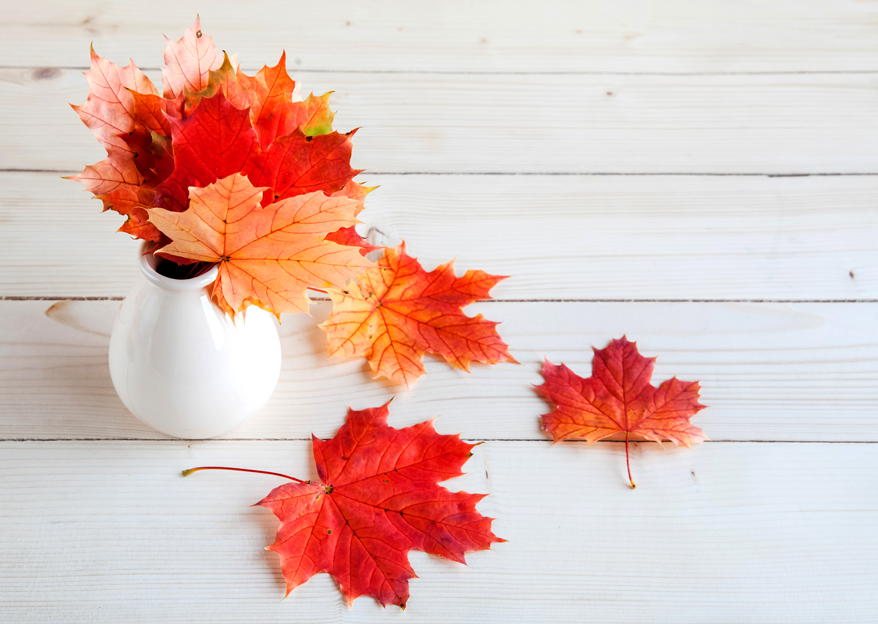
708 174
452 72
543 440
324 299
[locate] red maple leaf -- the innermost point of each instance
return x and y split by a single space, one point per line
619 398
377 498
214 142
217 140
396 311
297 164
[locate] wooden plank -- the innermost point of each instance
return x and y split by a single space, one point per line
442 123
556 36
725 533
804 371
559 237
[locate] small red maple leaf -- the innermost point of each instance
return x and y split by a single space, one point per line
378 497
619 397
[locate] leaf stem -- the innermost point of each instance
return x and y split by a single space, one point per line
189 471
628 463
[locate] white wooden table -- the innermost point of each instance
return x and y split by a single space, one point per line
701 175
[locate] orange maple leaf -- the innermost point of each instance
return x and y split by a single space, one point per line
150 110
396 311
271 93
618 398
268 256
112 173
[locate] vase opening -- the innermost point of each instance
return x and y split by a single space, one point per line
172 276
182 271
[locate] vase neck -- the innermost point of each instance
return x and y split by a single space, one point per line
149 263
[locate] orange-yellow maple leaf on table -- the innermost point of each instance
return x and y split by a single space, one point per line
396 311
378 498
619 398
268 256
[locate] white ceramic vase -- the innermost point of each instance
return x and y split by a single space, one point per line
179 363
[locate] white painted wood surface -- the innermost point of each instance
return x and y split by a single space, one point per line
729 532
558 237
803 371
417 36
540 123
522 140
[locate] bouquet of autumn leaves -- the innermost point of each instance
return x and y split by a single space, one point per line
232 170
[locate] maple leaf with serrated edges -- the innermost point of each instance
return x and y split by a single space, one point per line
271 102
109 110
396 311
226 79
215 141
619 398
110 113
109 174
268 256
378 498
188 61
298 163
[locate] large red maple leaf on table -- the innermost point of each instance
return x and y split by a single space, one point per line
378 498
619 398
396 311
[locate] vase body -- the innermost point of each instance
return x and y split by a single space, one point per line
181 365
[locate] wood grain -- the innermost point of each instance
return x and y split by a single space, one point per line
522 139
559 237
467 123
456 35
723 533
768 371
